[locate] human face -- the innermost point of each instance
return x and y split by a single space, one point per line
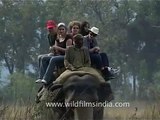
52 30
75 29
92 34
62 31
86 27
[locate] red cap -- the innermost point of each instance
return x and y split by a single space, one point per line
51 24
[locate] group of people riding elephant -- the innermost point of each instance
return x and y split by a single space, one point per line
74 48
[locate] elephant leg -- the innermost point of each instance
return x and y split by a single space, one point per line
98 113
83 113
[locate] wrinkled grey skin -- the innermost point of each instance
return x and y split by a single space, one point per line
81 88
84 88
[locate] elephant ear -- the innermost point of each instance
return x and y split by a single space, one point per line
39 94
53 87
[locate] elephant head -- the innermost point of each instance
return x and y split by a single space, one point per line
85 89
81 89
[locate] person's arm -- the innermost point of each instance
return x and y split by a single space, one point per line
85 44
51 40
87 58
92 50
53 48
57 48
67 59
95 48
68 43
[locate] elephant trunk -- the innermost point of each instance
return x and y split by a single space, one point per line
83 113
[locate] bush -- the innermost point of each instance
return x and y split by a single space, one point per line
21 88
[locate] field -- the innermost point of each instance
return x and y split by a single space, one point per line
136 111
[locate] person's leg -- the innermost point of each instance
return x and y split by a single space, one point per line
54 61
105 63
96 61
108 72
105 60
39 60
59 66
44 64
41 67
60 61
107 76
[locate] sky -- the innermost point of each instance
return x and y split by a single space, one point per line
4 76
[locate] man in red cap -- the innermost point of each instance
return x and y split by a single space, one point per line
44 58
51 26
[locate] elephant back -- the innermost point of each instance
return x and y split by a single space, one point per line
81 73
85 85
84 80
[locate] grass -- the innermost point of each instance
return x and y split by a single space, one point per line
16 112
136 111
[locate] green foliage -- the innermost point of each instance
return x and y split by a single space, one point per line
0 71
129 33
157 80
22 87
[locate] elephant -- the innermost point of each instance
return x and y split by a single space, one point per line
86 89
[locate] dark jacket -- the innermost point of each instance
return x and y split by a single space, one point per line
51 39
89 43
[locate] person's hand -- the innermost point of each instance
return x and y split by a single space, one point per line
51 48
96 49
51 54
54 47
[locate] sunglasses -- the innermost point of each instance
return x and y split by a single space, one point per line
92 34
